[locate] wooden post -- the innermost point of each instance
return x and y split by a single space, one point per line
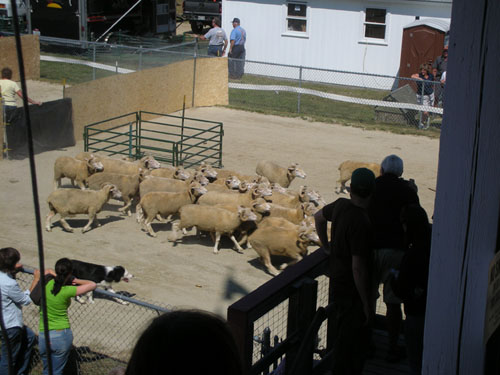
468 194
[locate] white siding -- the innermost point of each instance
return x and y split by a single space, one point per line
335 33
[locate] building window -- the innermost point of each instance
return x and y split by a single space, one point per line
296 17
375 23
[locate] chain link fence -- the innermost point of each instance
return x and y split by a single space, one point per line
105 332
342 96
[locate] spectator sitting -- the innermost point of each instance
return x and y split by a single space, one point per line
410 283
186 342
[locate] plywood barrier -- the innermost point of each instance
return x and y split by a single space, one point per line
159 90
31 55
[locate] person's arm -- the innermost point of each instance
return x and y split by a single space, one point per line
231 47
416 76
225 46
83 286
361 280
321 228
18 296
36 279
20 94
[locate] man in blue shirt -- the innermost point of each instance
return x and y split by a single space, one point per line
20 337
236 63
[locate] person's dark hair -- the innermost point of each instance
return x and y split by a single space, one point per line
362 182
63 269
186 342
7 73
418 228
217 21
8 259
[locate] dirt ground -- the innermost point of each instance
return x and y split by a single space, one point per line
189 274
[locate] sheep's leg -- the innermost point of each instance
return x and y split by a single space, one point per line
80 184
266 260
89 224
126 208
244 241
240 249
285 265
217 239
57 183
72 181
66 225
149 228
48 225
160 218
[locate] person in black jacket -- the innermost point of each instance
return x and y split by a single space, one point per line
410 282
391 194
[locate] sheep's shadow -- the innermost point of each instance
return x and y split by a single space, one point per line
80 223
204 239
276 261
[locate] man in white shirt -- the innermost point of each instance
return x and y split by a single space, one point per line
9 90
217 39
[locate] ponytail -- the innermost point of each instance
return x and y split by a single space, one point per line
64 268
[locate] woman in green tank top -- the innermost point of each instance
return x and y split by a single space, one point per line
58 294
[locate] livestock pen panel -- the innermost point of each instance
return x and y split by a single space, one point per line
175 140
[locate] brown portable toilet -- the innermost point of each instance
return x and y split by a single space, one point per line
423 42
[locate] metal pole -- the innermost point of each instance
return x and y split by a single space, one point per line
93 59
28 16
422 102
182 129
194 70
119 19
140 58
300 86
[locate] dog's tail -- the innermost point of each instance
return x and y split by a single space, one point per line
139 213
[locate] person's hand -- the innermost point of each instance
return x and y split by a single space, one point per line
36 274
50 271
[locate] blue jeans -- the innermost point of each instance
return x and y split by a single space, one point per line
21 343
60 344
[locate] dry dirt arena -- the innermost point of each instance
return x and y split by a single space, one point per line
189 274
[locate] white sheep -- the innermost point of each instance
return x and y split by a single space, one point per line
230 183
68 202
152 183
123 166
222 174
75 170
270 240
207 170
127 184
243 199
347 167
295 215
164 204
293 200
214 220
177 173
275 173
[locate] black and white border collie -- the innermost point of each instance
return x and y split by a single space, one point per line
103 276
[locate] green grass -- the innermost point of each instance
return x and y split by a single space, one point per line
285 104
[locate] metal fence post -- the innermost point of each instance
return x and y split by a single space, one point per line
420 113
194 70
140 58
130 140
93 60
300 86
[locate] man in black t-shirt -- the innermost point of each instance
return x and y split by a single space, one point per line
350 253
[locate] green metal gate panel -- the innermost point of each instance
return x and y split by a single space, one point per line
175 140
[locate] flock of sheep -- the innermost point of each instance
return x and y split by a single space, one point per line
257 211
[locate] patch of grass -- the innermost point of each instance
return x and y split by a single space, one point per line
320 109
73 73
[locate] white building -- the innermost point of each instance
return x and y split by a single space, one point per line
349 35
